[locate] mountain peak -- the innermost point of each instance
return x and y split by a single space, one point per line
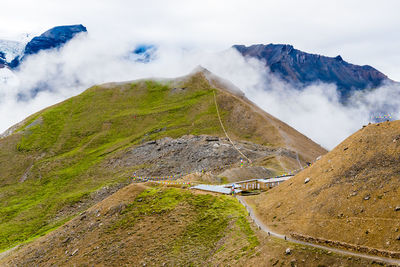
200 69
53 38
218 81
302 68
339 58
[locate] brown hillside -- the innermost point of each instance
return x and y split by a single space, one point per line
145 226
246 115
353 194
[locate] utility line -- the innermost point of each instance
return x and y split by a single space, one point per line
226 134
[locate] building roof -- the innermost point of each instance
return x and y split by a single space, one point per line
275 180
215 188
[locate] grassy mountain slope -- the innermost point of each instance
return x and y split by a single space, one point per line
55 164
122 229
352 194
159 226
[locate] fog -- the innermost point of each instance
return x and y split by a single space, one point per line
93 59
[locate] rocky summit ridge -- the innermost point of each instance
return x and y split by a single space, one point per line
301 68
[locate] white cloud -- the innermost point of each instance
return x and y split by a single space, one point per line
362 32
86 60
189 33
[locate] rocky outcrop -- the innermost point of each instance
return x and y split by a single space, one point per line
2 60
53 38
190 154
302 68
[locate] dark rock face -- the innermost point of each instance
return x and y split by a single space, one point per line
2 59
301 68
53 38
143 53
14 63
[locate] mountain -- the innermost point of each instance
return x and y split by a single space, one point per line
63 159
51 39
302 68
10 50
143 53
143 225
352 194
2 59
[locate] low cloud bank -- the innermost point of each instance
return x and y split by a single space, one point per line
52 76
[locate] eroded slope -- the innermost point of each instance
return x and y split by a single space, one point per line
352 196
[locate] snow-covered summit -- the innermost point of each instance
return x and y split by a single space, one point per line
11 49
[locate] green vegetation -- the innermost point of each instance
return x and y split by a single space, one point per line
210 219
214 215
63 150
51 168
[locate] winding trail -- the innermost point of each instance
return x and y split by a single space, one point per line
263 227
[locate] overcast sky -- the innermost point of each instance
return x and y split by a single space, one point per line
363 31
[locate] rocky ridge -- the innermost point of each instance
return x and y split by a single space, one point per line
301 68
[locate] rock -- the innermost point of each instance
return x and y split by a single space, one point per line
53 38
212 138
274 261
116 209
66 240
74 252
2 59
298 67
398 238
288 251
306 180
145 54
397 208
367 197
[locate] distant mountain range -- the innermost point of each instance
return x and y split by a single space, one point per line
2 59
12 53
10 49
291 65
53 38
302 69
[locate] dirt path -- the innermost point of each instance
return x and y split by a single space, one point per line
263 227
